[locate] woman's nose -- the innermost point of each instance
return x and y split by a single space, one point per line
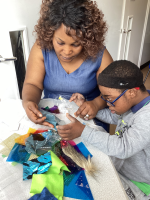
67 50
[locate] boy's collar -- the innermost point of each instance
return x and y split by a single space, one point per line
141 104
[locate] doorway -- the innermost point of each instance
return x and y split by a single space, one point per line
18 50
132 26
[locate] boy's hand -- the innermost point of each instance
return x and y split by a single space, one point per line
34 114
87 110
77 98
72 130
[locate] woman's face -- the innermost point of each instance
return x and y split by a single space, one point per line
65 46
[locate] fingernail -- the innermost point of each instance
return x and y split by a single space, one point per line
40 115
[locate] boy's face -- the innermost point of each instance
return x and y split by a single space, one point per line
122 105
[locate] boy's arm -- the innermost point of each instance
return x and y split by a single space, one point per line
134 139
106 116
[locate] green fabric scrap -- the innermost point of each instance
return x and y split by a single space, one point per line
51 179
47 108
144 187
57 165
53 182
14 163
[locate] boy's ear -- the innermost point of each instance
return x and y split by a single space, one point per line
132 93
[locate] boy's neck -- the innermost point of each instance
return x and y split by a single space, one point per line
140 97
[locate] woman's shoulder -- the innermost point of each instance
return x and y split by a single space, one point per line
48 52
106 60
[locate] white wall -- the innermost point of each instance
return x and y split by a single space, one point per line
146 48
112 10
26 12
15 13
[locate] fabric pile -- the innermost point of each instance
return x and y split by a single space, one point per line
53 173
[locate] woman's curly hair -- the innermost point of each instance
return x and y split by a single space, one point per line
83 16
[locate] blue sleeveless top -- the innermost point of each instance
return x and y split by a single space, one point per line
83 80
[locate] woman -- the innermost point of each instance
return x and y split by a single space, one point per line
67 57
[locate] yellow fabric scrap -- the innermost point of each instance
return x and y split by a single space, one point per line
8 144
22 138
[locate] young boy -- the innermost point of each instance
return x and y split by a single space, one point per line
121 86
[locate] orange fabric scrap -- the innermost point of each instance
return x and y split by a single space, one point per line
22 138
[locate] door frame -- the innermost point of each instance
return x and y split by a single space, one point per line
143 34
25 40
121 28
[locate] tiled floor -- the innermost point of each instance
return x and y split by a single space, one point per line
147 84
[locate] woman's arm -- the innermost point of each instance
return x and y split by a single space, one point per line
33 85
92 107
106 60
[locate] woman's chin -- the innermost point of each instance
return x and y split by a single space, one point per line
66 59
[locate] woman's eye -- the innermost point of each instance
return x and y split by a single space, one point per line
60 43
75 45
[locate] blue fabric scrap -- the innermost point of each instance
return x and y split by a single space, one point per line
18 154
44 195
73 190
84 150
82 183
39 165
40 147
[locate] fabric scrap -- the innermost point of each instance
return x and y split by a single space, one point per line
44 195
22 139
37 166
33 156
51 179
82 183
72 166
39 146
53 109
81 148
18 154
8 144
84 150
144 187
40 131
53 182
57 165
52 118
56 148
73 191
67 177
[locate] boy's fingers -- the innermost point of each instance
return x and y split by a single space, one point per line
63 127
72 119
64 133
66 139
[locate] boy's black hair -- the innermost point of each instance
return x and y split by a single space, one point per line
121 74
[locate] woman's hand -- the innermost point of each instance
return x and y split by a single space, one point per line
34 114
72 130
77 98
87 110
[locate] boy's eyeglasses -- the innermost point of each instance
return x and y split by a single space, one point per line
112 103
